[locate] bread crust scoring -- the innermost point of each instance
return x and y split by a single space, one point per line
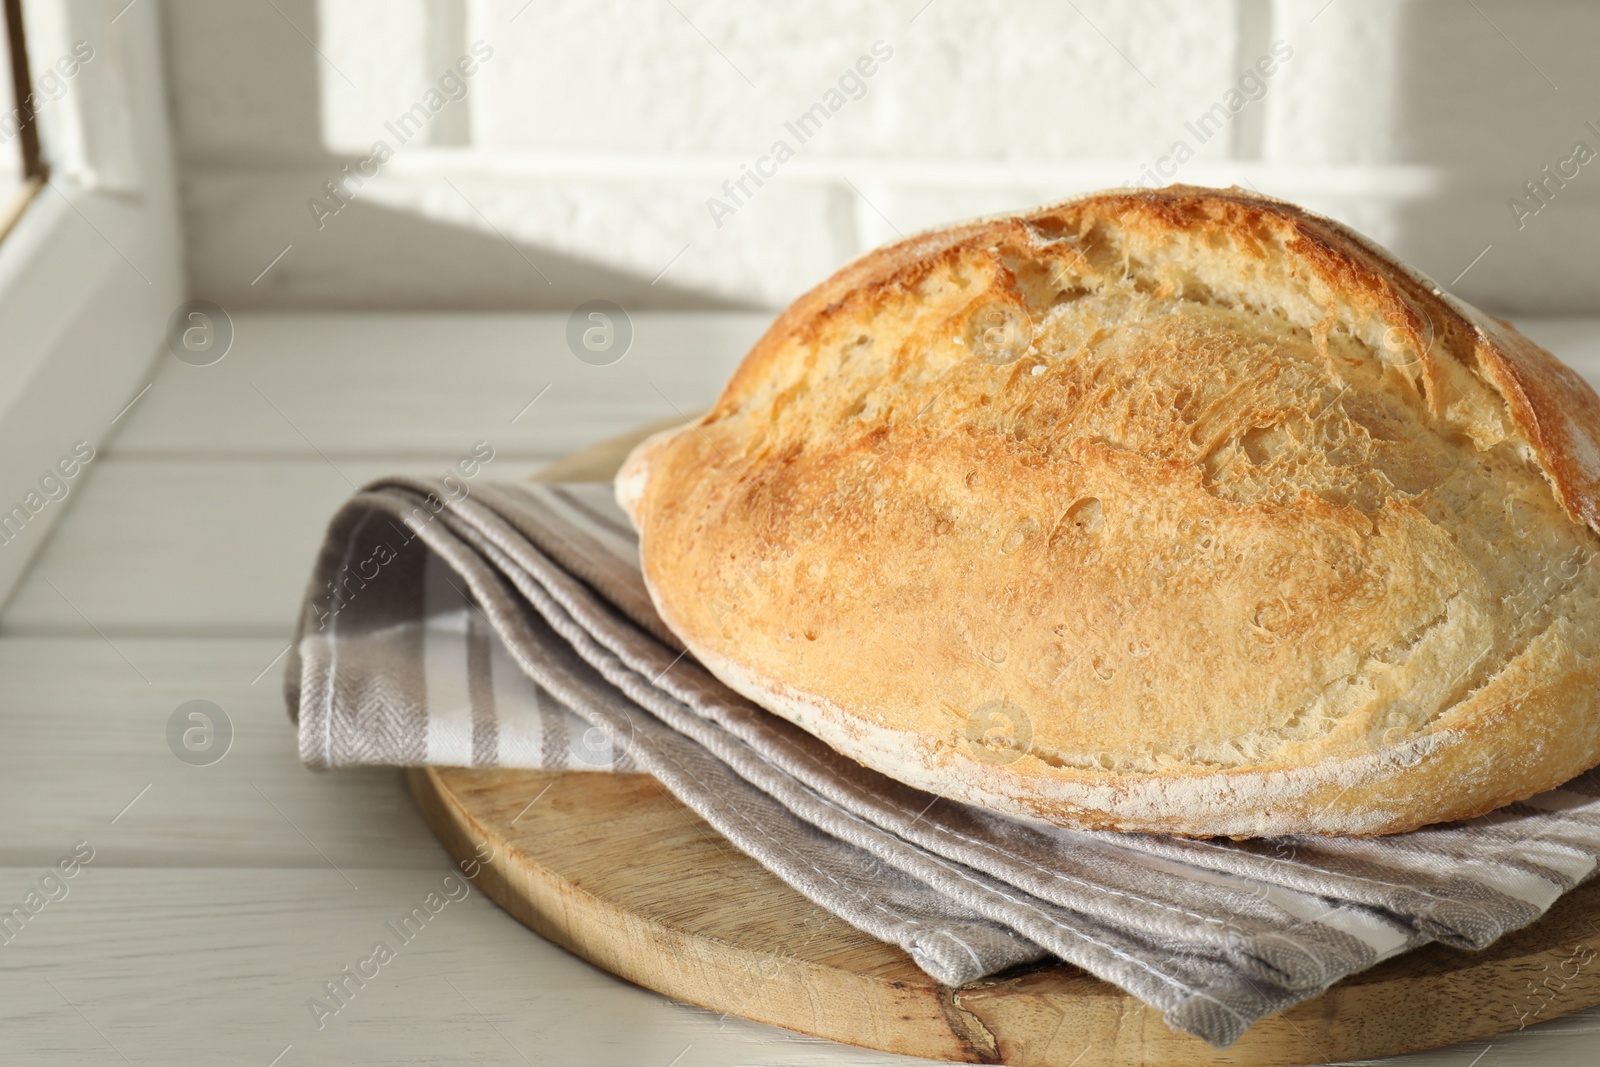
1178 510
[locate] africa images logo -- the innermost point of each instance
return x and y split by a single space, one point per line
1250 87
452 87
852 85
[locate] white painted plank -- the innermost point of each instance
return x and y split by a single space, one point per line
196 965
86 756
381 385
160 545
202 547
206 966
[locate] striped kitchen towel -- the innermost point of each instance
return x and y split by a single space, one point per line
510 627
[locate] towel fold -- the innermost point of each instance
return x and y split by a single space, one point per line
511 628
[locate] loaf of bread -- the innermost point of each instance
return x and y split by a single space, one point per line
1179 510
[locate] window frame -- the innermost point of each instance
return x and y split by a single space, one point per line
30 157
91 268
33 166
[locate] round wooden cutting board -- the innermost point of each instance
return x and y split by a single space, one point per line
613 868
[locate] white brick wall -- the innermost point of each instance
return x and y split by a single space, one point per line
579 161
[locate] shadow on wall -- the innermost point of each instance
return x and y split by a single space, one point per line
1498 101
262 175
372 256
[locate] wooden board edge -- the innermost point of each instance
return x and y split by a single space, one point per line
1029 1019
812 999
599 462
1432 997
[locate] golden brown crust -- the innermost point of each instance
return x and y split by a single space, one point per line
1179 510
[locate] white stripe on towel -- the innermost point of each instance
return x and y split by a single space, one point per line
444 667
516 701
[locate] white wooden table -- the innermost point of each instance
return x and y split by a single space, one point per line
221 898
